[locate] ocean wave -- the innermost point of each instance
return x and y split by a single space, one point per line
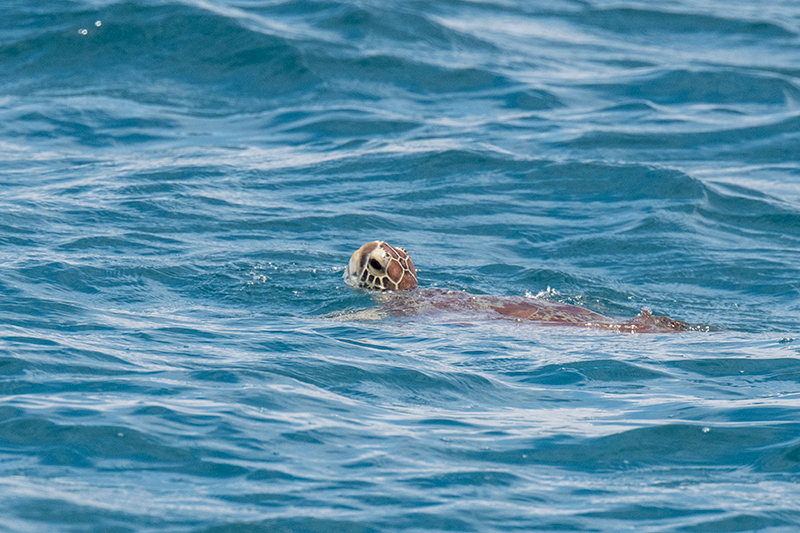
183 182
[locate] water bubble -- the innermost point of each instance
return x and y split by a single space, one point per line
706 430
83 31
98 23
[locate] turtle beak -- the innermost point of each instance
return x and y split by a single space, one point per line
349 276
353 268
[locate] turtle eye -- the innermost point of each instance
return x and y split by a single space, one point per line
374 263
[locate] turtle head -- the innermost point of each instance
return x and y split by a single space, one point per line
382 267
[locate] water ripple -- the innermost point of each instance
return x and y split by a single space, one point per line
183 182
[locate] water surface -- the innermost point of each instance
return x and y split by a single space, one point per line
182 183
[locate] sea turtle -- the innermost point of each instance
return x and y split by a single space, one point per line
380 266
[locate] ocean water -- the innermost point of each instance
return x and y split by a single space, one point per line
182 183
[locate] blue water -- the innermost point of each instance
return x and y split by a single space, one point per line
182 183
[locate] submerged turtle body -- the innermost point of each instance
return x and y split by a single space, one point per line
379 266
